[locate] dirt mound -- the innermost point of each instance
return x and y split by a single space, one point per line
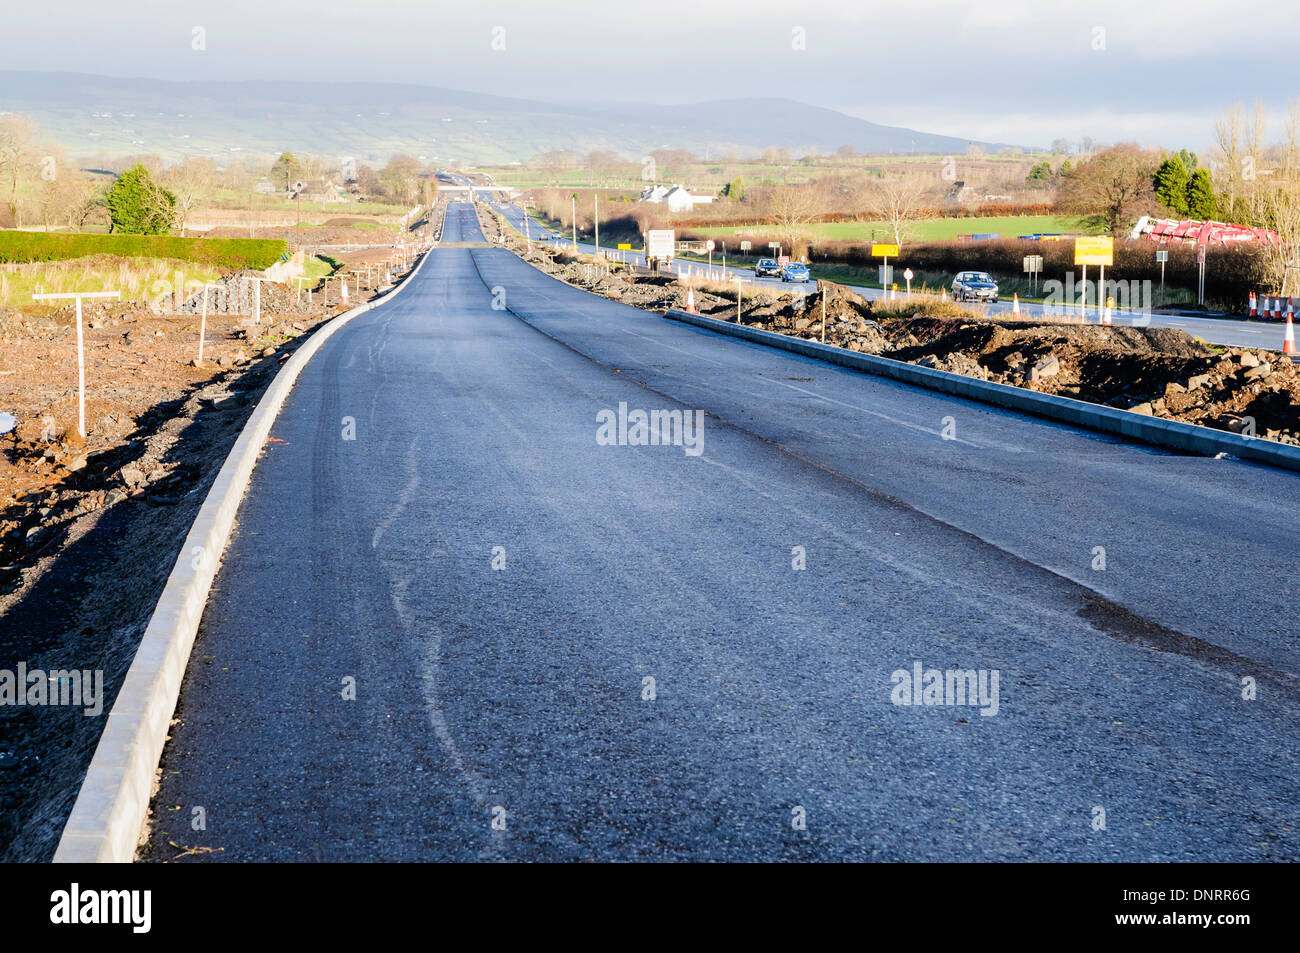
1158 371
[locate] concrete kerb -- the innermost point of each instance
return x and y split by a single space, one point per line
1171 434
113 801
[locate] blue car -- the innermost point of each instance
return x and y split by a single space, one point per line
794 272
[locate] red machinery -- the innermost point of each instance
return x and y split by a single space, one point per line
1202 233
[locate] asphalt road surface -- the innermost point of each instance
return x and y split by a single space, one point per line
1226 331
645 674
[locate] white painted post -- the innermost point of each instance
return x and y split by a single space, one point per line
1101 295
203 324
1083 308
81 377
81 347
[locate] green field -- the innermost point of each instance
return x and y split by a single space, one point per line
924 230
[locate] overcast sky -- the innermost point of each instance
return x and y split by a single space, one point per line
1022 71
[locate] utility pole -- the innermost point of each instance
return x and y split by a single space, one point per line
574 197
596 221
81 347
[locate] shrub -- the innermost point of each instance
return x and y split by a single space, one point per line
137 205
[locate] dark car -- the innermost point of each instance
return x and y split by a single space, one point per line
794 272
974 286
767 267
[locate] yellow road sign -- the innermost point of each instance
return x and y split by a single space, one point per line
883 251
623 246
1094 250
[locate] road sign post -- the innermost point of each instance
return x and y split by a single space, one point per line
1162 257
884 252
1033 267
1200 280
1094 250
908 276
81 347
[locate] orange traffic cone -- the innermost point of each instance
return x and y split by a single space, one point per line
1253 310
1015 303
1105 315
690 300
1288 341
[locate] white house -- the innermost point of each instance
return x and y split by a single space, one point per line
680 200
654 193
677 198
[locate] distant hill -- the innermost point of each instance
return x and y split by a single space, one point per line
91 114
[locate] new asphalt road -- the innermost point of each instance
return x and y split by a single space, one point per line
460 619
